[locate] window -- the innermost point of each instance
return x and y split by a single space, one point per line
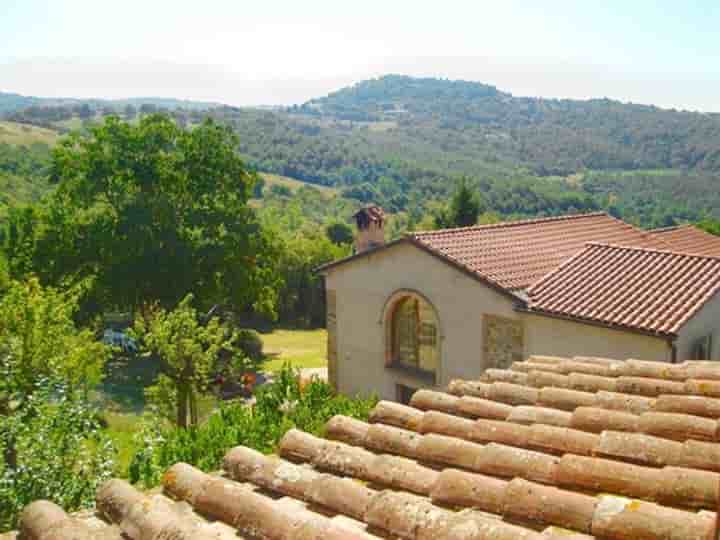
414 335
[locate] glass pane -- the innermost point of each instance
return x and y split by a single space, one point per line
428 338
405 326
415 334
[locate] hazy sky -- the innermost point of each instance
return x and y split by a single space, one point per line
242 52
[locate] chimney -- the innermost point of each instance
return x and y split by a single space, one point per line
370 228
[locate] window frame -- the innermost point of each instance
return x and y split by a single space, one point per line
388 321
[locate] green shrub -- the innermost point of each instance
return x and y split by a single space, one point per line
63 454
280 406
250 343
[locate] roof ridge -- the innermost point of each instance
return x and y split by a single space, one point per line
651 250
668 229
519 222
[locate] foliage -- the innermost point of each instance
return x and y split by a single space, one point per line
154 211
301 298
463 211
49 437
61 451
281 405
188 352
710 225
39 340
23 171
339 233
250 343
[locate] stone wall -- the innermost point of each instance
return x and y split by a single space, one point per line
503 341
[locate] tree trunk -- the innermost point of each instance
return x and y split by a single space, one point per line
193 407
182 403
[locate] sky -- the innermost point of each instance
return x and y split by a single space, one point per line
279 52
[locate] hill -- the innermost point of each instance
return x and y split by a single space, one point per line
552 136
26 135
10 103
402 142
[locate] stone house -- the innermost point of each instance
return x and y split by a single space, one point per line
434 306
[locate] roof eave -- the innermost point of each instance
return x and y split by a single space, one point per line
670 336
322 269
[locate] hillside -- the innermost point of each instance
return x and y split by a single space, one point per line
10 103
25 134
551 136
403 142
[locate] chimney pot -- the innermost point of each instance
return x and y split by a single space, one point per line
370 228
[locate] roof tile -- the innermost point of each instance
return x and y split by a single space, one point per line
514 255
638 288
689 239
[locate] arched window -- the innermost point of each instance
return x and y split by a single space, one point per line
414 333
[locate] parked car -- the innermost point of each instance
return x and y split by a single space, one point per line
120 340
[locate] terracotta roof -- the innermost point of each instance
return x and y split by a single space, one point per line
689 239
635 288
516 254
490 460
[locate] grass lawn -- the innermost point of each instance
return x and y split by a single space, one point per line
301 348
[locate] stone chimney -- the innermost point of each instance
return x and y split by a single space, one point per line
370 228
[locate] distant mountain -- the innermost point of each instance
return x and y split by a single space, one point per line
15 102
551 136
10 103
402 142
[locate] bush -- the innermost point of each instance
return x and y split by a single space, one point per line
63 454
280 406
250 343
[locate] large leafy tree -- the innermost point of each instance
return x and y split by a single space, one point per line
154 211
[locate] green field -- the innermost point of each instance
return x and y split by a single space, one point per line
273 179
300 348
26 135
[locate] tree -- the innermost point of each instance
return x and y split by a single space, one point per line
148 108
84 111
709 225
154 211
187 351
258 187
463 210
50 442
39 341
301 297
339 233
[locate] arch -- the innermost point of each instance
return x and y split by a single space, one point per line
413 333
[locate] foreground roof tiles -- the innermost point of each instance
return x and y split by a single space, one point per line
689 239
642 289
514 255
541 457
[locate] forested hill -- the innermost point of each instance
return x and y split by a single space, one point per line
551 136
10 103
403 143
